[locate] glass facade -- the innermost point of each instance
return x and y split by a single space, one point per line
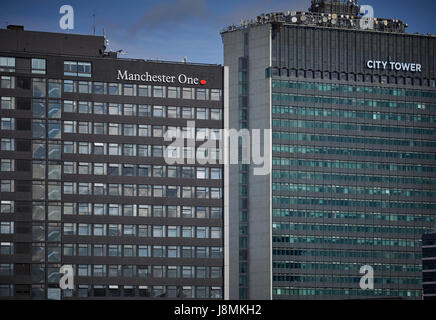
351 186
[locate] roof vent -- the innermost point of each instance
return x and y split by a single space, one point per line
15 27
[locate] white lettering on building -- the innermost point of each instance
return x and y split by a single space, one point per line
146 77
393 66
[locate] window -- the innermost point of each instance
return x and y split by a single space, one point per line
144 150
159 112
70 86
173 112
130 110
7 82
129 89
174 93
143 130
70 68
216 173
70 106
7 124
216 233
115 109
129 150
100 88
144 110
7 103
54 109
38 129
144 91
77 69
159 92
6 227
69 126
202 113
38 108
215 114
100 108
38 66
54 88
129 129
7 165
187 212
7 64
39 90
85 87
215 95
215 193
7 144
187 113
202 94
188 93
114 129
100 128
115 89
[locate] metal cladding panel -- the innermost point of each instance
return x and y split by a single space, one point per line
342 50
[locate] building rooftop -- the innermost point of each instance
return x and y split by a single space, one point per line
342 14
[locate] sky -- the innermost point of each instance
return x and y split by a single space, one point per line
173 29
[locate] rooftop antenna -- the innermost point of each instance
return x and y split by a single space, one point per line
93 23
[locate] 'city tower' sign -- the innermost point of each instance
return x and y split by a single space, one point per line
393 66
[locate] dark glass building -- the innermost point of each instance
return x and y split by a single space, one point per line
83 177
351 103
429 266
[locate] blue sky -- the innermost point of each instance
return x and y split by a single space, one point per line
173 29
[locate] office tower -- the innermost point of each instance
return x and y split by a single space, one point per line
351 102
429 266
84 181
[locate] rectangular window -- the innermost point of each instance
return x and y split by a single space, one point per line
215 95
39 90
129 110
7 82
115 89
38 66
70 86
7 64
85 87
159 92
144 111
129 89
202 94
174 92
173 112
54 88
144 91
100 108
7 103
100 88
70 106
188 93
215 114
77 69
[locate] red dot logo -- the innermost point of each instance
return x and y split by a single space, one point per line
203 82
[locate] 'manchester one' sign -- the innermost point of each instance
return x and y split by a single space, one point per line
146 77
